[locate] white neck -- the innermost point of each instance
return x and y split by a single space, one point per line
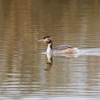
48 48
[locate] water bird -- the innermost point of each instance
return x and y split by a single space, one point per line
58 49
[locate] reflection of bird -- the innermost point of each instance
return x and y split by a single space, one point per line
64 56
59 57
50 62
58 49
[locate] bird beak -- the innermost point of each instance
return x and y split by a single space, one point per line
41 40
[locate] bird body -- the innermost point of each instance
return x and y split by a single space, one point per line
58 49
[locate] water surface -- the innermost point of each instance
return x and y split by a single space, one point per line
26 72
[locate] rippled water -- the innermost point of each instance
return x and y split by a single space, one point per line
27 72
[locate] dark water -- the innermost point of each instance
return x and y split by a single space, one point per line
25 71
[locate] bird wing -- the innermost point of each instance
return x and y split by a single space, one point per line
62 47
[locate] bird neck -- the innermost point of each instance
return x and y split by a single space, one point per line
49 48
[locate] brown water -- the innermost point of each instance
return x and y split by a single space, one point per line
25 71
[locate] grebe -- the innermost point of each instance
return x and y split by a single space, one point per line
58 49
